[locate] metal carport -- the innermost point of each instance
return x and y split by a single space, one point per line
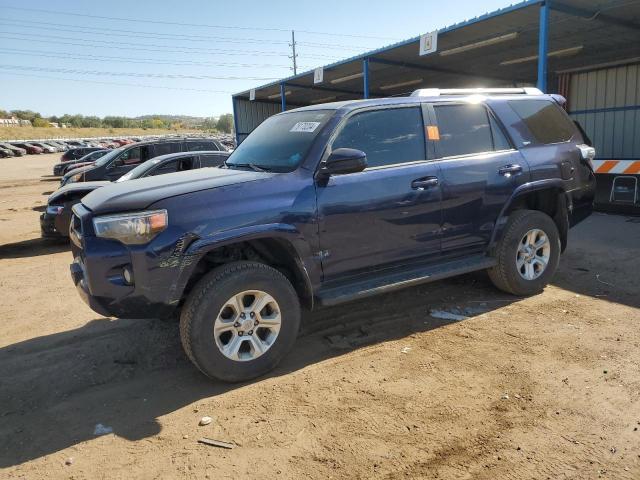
529 43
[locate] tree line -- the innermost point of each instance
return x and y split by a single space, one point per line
224 123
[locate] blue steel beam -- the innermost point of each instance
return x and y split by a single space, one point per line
365 78
543 39
283 97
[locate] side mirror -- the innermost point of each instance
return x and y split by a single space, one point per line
344 160
118 162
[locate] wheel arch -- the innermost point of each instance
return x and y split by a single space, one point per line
547 196
282 249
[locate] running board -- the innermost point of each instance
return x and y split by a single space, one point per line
389 281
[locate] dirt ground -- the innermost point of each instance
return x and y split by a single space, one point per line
543 387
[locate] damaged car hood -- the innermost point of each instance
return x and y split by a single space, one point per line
138 194
73 189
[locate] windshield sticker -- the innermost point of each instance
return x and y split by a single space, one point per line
306 127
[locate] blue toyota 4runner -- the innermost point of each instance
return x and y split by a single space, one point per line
330 203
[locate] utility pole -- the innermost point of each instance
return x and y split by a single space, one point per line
293 49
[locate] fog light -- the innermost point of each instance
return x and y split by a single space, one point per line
128 275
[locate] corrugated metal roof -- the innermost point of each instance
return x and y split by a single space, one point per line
573 24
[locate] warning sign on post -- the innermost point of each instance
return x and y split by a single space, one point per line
428 43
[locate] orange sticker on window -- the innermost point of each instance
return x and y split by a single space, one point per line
432 132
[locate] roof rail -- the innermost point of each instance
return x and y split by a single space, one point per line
436 92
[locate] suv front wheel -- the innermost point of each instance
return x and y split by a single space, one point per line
239 321
528 253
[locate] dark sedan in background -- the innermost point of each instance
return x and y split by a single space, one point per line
17 151
63 167
54 222
29 147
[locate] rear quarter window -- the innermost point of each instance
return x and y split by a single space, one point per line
544 119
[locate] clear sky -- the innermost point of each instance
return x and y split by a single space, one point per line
117 57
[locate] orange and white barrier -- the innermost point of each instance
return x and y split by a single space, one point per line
629 167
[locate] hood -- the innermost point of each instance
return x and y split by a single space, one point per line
138 194
74 189
75 171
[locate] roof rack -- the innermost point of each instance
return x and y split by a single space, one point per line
436 92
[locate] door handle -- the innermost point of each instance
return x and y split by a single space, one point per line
509 170
423 183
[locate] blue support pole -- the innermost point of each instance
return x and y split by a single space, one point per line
365 78
283 97
235 121
543 39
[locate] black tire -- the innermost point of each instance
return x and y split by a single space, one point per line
207 299
505 274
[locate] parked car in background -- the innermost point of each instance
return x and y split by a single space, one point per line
121 160
58 146
78 152
54 222
29 147
45 148
6 152
331 203
17 151
63 167
75 143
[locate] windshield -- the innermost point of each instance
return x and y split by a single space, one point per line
139 170
280 142
107 158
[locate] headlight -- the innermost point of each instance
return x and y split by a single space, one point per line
132 228
54 209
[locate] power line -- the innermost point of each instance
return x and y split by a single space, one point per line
129 44
146 61
140 46
130 74
154 36
161 22
160 36
162 50
115 83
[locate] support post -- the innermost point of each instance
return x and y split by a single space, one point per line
365 78
235 121
283 97
543 35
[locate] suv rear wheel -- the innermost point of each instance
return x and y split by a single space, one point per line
239 321
528 253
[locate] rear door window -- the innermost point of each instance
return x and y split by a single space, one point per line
544 119
131 156
388 136
167 147
465 129
201 145
212 160
177 165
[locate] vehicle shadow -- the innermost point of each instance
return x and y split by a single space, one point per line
39 208
126 374
33 247
602 260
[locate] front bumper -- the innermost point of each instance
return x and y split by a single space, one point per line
48 226
98 273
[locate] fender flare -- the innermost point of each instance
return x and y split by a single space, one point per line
307 270
524 189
